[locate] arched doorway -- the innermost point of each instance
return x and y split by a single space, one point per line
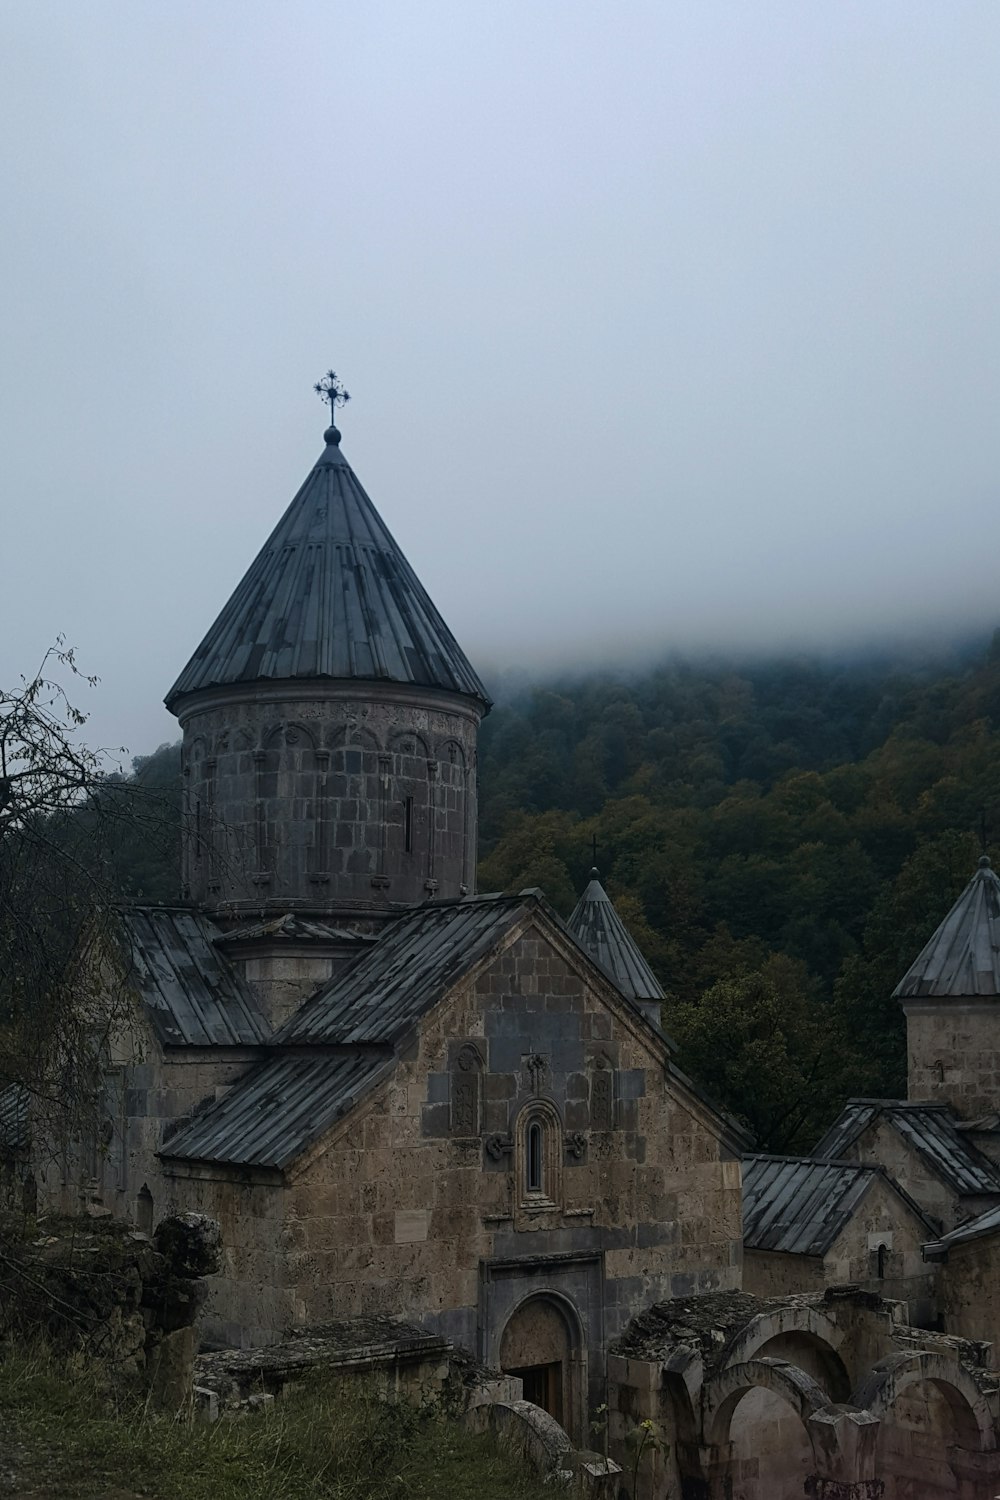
541 1346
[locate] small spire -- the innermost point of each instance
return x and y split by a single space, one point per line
332 390
594 872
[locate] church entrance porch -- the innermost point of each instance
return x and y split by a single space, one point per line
541 1319
536 1347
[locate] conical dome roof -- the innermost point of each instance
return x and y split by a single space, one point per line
330 595
963 956
599 929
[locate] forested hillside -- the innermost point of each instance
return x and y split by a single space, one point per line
781 839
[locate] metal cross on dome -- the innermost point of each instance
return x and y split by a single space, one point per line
332 390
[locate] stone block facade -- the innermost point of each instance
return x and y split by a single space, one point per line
899 1273
953 1053
531 1144
340 801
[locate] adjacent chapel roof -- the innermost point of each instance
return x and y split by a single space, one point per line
963 956
192 995
599 929
330 595
799 1204
932 1132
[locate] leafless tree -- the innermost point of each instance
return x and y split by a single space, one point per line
63 811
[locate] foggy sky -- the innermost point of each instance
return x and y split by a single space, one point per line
667 324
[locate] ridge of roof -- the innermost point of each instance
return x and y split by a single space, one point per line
330 595
389 986
929 1128
978 1228
599 929
962 957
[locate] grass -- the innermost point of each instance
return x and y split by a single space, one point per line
63 1438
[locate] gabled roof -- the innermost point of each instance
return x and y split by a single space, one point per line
963 956
799 1205
268 1118
973 1229
330 596
193 997
931 1130
410 967
599 929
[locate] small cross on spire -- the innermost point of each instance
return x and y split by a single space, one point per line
593 857
332 390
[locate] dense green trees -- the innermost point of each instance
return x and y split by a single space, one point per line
782 840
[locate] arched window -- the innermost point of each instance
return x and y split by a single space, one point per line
534 1151
538 1156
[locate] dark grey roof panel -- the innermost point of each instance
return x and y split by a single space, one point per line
601 932
410 967
330 596
268 1118
797 1204
963 956
930 1129
14 1127
973 1229
193 997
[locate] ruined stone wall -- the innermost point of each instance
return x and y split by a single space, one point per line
953 1053
252 1300
423 1192
351 798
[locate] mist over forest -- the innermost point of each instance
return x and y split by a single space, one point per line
781 835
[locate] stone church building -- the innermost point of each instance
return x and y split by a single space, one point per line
405 1100
398 1097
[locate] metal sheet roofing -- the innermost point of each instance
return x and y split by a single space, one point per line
269 1117
973 1229
930 1129
193 997
599 929
799 1205
13 1118
963 956
411 966
330 596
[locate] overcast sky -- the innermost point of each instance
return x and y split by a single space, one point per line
667 324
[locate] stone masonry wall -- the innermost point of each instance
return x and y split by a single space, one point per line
333 802
773 1273
953 1053
424 1184
883 1146
147 1090
969 1291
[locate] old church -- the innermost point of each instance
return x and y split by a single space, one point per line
398 1097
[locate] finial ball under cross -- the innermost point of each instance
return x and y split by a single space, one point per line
333 391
